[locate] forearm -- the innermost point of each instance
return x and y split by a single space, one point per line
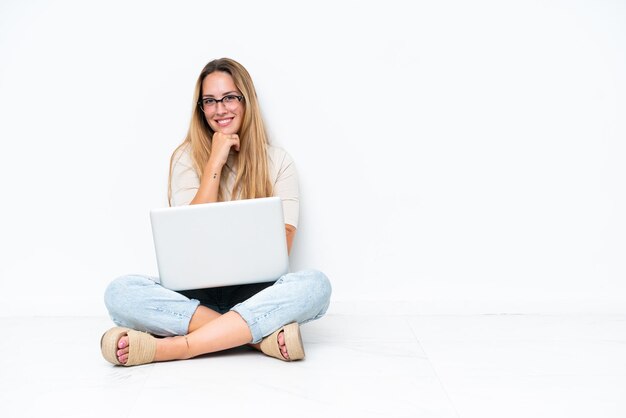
291 233
209 186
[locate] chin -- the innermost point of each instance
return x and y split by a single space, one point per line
228 130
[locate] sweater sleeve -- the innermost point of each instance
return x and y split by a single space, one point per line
185 181
286 185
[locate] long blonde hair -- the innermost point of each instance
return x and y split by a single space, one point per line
253 179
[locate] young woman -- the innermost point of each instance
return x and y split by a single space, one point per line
225 156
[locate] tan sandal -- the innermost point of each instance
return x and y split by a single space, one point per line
293 342
142 346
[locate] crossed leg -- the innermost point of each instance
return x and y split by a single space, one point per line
209 332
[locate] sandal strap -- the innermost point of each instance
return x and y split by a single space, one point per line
269 346
142 348
293 342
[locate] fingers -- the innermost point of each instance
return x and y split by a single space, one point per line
221 145
226 140
234 141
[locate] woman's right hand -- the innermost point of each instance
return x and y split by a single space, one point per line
209 184
220 148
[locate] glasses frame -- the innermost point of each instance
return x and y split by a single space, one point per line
238 97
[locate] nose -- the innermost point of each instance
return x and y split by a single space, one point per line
222 110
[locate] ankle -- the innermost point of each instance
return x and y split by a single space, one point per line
173 348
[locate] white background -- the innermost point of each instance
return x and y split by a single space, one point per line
455 157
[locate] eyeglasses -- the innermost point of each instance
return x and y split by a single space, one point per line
209 103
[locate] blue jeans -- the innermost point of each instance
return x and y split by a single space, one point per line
140 303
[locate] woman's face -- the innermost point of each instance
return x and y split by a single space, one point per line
222 116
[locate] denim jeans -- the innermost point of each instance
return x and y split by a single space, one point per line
140 303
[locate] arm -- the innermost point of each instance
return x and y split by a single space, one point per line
291 233
210 182
286 187
209 185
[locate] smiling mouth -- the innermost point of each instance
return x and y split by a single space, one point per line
224 122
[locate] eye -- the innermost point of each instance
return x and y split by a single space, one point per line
208 101
229 99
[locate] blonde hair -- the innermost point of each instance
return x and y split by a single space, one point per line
253 179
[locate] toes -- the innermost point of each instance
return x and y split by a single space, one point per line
281 344
123 342
122 353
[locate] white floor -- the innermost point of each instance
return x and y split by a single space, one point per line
357 365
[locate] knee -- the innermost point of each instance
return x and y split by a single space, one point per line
118 294
318 286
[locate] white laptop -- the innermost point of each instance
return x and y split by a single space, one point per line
220 244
